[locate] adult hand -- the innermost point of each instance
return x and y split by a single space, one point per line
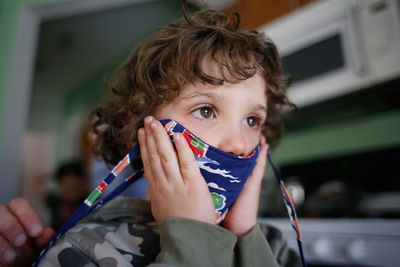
242 216
177 188
22 235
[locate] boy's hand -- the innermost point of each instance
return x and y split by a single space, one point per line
242 216
22 235
177 188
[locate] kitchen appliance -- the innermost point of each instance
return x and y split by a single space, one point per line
334 48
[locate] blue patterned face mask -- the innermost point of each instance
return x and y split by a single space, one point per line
224 173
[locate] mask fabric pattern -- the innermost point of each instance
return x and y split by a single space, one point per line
224 173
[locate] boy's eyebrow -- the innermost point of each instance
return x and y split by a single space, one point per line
203 94
261 108
219 97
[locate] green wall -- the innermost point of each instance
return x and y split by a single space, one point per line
78 102
373 132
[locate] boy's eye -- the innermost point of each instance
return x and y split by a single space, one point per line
252 122
204 112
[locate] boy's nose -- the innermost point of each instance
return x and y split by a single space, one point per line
232 141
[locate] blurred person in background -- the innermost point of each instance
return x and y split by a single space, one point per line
73 187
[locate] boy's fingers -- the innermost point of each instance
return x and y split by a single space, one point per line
262 158
187 162
258 172
152 153
263 139
145 156
166 152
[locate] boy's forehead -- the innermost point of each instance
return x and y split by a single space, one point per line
254 86
226 77
212 68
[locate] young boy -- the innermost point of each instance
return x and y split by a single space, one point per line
225 86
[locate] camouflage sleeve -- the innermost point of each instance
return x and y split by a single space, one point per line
64 254
98 244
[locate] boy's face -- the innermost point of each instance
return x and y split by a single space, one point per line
229 117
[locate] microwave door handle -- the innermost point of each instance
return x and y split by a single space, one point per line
358 54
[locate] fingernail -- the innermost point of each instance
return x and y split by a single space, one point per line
177 137
35 229
153 125
141 131
9 255
20 240
148 119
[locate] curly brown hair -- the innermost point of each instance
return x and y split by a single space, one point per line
174 56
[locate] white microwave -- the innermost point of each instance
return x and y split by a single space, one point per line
335 47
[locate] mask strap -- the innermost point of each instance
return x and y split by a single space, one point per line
290 209
90 204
